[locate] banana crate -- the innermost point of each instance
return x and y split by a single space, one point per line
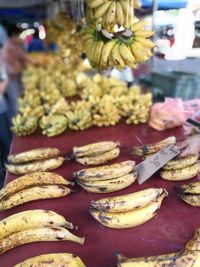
176 84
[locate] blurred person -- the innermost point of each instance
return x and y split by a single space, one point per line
190 146
36 44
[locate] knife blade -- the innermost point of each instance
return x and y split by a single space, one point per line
152 164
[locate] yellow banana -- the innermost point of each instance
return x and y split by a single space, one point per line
106 172
55 259
101 10
94 148
144 42
143 33
128 219
128 202
32 179
128 13
111 15
30 219
40 165
101 158
155 147
127 55
117 58
138 52
193 200
107 186
192 188
106 51
119 14
96 3
181 163
34 154
180 175
34 193
140 24
97 52
37 234
90 50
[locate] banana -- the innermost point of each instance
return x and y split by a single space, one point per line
34 154
32 179
37 234
106 51
40 165
101 10
144 42
119 14
94 148
127 55
99 159
181 163
106 172
153 148
139 52
193 200
117 58
34 193
180 175
131 218
96 3
128 202
192 188
54 259
97 52
32 219
139 25
143 33
107 186
110 15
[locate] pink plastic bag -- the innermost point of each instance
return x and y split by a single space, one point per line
170 114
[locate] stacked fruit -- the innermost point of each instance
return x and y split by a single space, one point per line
55 259
33 186
190 193
33 226
23 125
108 178
188 256
129 210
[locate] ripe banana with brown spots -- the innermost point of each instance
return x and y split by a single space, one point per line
181 163
54 259
38 234
190 193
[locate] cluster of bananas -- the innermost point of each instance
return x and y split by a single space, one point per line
22 125
33 186
188 256
129 210
56 259
190 193
34 160
33 226
96 153
108 178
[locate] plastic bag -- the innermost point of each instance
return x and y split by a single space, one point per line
170 114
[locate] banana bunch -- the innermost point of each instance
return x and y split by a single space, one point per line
53 124
24 125
40 159
190 193
96 153
33 226
33 186
56 259
189 256
127 211
108 178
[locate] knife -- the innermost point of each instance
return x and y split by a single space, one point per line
152 164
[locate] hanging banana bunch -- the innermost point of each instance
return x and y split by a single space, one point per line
114 37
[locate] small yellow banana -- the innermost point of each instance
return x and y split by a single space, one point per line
37 234
34 154
127 55
32 179
129 219
106 186
180 175
145 42
97 52
140 24
111 15
117 58
30 219
34 193
40 165
143 33
119 14
96 3
101 10
54 259
99 159
181 163
106 51
123 203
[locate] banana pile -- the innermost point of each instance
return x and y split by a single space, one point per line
33 186
39 159
23 125
129 210
56 259
96 153
190 193
188 256
33 226
108 178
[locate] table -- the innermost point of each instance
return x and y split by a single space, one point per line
166 232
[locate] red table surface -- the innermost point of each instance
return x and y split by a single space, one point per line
166 232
